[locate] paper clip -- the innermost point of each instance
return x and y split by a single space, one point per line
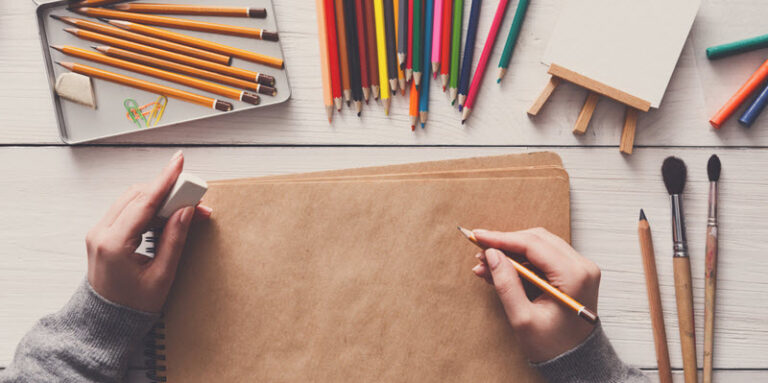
157 111
134 112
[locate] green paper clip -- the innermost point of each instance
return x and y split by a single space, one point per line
134 112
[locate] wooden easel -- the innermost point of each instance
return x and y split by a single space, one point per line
596 89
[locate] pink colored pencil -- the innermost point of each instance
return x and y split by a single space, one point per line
437 35
477 79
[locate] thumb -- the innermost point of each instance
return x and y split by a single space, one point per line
509 287
172 243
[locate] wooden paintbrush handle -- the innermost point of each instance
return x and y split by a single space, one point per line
709 301
654 303
684 295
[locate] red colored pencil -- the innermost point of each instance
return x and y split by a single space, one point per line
409 50
445 52
362 51
333 52
373 58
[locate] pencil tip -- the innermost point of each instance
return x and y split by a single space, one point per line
642 215
422 125
498 80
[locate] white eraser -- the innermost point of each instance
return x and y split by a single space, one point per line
187 191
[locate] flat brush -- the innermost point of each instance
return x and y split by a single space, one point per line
710 273
674 173
581 310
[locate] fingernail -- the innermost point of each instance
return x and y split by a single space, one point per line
493 257
476 269
206 211
176 156
186 215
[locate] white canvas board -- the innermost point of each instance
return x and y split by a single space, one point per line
630 45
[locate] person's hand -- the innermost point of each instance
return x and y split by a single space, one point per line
115 271
545 327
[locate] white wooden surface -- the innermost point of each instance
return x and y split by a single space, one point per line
51 194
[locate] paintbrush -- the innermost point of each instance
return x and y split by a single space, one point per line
654 299
710 273
674 173
559 296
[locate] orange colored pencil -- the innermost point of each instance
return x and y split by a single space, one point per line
151 41
93 3
742 94
413 107
164 21
199 43
325 66
182 9
147 86
185 69
207 86
136 47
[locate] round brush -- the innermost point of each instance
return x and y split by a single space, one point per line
710 274
674 173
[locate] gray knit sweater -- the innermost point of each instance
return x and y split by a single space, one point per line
91 339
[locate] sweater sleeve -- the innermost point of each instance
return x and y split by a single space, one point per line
88 340
593 361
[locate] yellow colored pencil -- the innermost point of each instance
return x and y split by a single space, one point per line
378 9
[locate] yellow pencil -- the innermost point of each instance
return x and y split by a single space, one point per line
378 9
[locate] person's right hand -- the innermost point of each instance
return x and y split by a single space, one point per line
545 327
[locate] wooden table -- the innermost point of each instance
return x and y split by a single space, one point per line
53 193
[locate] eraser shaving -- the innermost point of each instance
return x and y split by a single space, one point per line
76 88
188 191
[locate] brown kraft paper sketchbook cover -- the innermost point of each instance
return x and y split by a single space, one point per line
356 279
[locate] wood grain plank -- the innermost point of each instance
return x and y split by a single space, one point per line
53 195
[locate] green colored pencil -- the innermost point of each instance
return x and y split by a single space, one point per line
417 40
735 47
453 82
514 31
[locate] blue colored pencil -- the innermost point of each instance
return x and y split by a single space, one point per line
750 115
427 68
469 52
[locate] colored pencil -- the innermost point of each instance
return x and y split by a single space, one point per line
409 43
582 311
325 68
413 106
445 49
424 95
437 35
477 79
741 46
514 32
418 39
156 52
333 52
458 15
402 31
207 86
654 299
373 52
147 40
183 9
737 99
92 3
753 111
147 86
194 25
469 52
353 55
365 78
381 44
389 30
400 71
188 70
341 30
180 38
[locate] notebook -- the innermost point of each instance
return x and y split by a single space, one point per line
356 275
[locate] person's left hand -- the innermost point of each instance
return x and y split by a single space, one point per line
115 271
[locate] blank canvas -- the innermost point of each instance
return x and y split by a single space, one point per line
630 45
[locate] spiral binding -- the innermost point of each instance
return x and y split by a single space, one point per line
154 341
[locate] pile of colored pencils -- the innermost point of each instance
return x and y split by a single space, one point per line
373 48
130 41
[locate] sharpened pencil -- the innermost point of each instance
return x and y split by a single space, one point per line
400 69
391 41
381 45
582 311
418 39
325 68
402 31
199 10
413 106
469 52
445 41
437 35
341 30
409 39
514 32
371 46
333 53
458 15
362 49
352 54
424 94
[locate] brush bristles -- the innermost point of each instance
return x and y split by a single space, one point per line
713 168
674 172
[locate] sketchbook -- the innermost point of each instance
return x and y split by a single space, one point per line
356 275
